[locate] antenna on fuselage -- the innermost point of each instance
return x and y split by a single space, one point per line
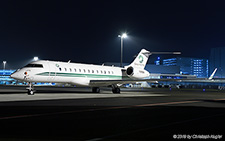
69 61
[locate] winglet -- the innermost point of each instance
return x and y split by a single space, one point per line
212 75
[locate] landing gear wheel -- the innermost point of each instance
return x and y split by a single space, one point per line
30 89
116 90
96 90
30 92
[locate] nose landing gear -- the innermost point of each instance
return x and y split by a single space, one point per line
30 89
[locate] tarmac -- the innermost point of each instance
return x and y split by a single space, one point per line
56 113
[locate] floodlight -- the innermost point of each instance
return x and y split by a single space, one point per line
36 58
124 35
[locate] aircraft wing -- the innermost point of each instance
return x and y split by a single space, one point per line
127 81
119 81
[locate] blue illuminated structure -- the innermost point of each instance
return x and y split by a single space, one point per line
5 76
217 60
191 66
157 62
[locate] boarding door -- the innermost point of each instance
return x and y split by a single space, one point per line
52 71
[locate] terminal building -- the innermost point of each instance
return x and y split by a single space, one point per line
190 66
5 77
217 60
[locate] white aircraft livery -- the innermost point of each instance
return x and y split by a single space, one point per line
94 76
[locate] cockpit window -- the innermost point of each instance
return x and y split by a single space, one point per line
34 66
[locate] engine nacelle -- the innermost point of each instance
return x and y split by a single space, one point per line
136 73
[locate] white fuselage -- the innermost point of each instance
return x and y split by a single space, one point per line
63 72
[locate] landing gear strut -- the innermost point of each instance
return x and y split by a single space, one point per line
30 89
115 89
96 90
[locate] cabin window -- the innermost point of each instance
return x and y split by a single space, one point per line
92 71
70 70
84 70
104 72
101 72
112 72
88 71
75 70
108 72
79 70
97 71
65 69
60 69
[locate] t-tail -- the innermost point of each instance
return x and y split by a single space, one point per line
141 60
136 68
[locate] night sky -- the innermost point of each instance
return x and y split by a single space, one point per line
87 31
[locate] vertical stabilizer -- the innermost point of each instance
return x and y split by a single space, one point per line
141 60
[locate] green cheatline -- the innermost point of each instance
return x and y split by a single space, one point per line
78 75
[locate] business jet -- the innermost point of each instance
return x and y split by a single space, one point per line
94 76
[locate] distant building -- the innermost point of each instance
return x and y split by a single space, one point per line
5 76
190 66
217 60
157 62
162 69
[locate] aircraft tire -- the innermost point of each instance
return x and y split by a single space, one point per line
96 90
116 90
30 92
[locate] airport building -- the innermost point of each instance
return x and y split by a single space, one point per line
5 76
217 60
190 66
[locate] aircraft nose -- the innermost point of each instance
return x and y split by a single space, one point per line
15 75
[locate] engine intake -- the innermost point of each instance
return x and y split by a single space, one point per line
130 71
136 73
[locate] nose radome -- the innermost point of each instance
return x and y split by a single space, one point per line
12 75
15 75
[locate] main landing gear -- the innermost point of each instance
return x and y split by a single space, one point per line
30 89
115 89
96 90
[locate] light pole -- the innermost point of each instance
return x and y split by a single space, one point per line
124 35
4 62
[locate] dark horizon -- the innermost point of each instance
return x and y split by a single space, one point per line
87 32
